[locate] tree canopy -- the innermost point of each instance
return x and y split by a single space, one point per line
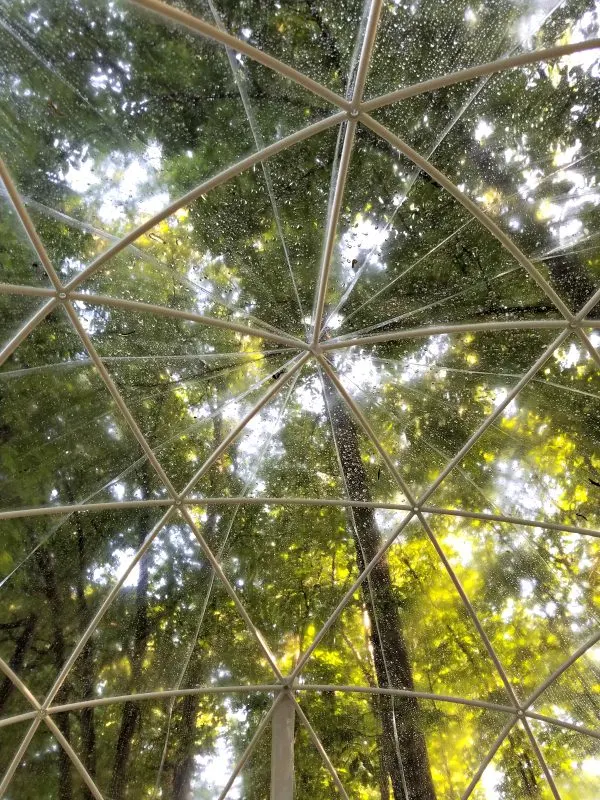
299 390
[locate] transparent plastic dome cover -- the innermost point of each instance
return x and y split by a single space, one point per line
299 440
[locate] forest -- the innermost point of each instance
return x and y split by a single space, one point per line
285 402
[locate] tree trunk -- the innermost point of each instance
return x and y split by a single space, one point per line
18 657
186 730
141 634
529 783
183 769
404 749
88 732
129 722
45 566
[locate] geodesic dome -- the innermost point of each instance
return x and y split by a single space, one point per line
299 464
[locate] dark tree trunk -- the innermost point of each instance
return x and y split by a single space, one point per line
88 732
129 722
186 729
17 658
183 769
529 783
45 566
141 634
404 749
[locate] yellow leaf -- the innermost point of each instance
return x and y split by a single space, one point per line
580 494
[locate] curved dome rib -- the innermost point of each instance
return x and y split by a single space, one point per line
197 25
479 71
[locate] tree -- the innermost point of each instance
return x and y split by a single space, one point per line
107 115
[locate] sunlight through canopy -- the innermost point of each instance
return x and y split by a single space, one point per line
299 400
